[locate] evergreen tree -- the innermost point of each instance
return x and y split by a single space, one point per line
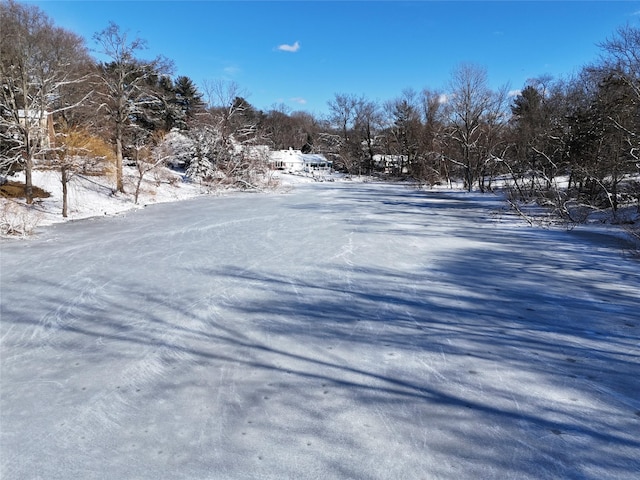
200 169
203 149
188 100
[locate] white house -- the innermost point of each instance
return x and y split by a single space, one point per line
40 123
391 163
296 161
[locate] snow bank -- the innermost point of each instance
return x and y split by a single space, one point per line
93 196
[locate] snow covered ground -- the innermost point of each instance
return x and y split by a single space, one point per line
91 196
341 330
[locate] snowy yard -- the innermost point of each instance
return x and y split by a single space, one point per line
340 331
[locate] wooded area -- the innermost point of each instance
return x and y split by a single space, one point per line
566 142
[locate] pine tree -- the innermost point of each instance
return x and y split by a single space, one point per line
188 100
200 169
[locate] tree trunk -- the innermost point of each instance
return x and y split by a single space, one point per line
138 184
28 181
119 160
65 180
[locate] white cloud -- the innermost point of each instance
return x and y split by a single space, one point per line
299 100
289 48
514 93
442 99
231 70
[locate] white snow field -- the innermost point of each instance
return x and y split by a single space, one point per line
339 331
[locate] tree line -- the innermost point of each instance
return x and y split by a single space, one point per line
564 142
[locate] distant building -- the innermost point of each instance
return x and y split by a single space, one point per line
41 123
296 161
391 163
254 152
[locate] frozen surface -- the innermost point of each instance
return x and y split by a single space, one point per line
359 331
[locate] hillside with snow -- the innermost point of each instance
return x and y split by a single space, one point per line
95 196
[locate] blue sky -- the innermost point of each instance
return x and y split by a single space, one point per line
370 48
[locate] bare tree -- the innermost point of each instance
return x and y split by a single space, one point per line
405 129
80 152
621 55
432 167
148 154
305 130
126 83
342 114
355 123
621 66
281 128
470 106
494 142
368 123
226 101
37 60
234 130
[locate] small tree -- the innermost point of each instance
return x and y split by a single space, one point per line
148 155
79 152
